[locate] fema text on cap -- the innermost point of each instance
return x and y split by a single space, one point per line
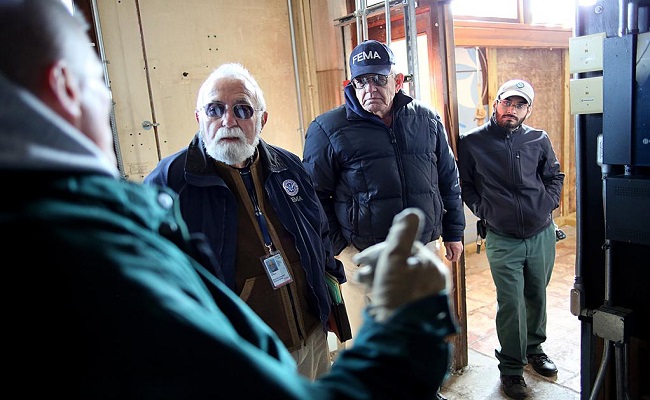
365 56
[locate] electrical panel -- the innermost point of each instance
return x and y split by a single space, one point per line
626 136
626 207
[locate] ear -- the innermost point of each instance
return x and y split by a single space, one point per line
196 116
63 91
399 81
265 116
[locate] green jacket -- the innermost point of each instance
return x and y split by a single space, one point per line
109 299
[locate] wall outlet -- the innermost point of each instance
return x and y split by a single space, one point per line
586 95
586 53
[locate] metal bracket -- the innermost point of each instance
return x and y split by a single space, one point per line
612 323
148 124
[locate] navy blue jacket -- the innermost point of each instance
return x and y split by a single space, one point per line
366 172
204 196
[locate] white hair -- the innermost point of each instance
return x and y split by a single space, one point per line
235 71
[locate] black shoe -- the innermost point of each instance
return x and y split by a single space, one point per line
542 364
440 397
514 386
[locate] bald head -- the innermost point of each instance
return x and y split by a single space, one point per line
46 50
36 33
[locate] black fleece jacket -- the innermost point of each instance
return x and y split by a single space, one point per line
510 179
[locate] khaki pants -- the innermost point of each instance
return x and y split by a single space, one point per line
354 294
313 359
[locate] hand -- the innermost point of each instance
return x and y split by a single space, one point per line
453 250
400 270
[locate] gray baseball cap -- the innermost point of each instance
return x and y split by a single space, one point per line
516 87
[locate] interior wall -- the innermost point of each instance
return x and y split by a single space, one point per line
159 52
328 54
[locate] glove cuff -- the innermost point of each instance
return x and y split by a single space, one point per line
379 313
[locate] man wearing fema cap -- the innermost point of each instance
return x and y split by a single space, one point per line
511 180
380 152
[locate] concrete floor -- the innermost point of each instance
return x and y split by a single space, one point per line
480 379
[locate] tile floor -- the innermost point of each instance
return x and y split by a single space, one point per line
480 379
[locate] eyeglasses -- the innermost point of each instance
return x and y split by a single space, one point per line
519 107
376 79
217 110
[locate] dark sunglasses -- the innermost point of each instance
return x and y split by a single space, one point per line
217 110
376 79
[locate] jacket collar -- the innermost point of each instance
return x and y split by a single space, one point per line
33 137
493 126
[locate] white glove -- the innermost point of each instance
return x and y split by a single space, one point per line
400 269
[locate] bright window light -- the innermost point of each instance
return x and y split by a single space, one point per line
553 12
543 12
373 2
485 9
68 3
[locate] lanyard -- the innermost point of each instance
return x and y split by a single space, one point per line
247 177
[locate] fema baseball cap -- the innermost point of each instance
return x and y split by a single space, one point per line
371 57
516 87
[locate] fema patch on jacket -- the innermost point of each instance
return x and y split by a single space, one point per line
291 187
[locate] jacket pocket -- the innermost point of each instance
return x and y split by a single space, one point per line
516 173
438 208
353 215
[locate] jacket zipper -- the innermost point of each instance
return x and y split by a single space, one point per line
514 159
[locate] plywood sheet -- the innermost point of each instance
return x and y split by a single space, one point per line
161 52
128 83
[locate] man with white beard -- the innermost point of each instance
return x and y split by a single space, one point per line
262 218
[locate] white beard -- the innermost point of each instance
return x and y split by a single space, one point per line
231 153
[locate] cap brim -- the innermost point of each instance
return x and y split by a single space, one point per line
372 69
510 93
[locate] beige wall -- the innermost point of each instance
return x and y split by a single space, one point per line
159 52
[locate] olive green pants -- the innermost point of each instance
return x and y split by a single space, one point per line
521 270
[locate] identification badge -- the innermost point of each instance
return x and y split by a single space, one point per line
276 269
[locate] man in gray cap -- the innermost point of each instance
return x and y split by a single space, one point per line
511 180
380 152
